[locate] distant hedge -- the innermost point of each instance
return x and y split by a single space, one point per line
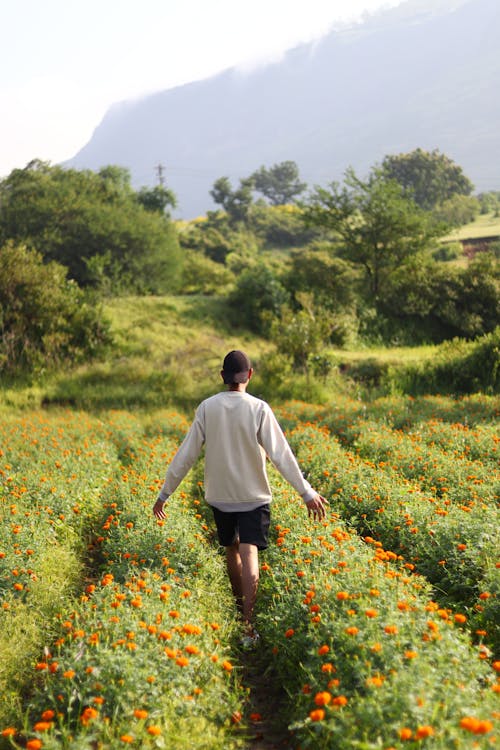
460 367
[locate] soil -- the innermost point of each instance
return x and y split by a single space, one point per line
265 698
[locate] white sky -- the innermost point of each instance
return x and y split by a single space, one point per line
63 63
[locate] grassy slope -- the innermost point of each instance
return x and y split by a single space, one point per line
168 352
486 225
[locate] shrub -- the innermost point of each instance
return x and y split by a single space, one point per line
44 318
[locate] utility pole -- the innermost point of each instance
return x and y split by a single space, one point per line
159 171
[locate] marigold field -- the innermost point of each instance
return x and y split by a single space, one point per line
379 625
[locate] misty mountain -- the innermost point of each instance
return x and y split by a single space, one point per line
425 74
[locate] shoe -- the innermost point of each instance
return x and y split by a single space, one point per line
250 640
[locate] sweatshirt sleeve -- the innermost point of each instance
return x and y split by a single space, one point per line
276 446
188 452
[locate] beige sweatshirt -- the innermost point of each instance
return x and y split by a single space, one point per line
238 432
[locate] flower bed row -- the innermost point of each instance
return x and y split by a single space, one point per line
444 473
52 472
454 547
366 657
142 656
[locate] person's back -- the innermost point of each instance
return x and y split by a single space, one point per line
234 460
239 431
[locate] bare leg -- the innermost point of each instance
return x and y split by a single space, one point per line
243 569
233 562
249 555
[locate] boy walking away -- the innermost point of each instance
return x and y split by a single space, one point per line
238 431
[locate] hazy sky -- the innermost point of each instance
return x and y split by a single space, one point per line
63 63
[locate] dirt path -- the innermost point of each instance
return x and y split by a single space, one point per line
265 700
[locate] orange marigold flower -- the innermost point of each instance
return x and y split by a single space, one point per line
317 714
476 726
154 730
43 726
127 738
410 654
324 649
353 630
227 666
342 596
9 732
69 674
88 714
182 661
140 713
459 618
424 731
371 612
289 633
34 744
323 698
376 681
405 733
391 629
191 629
48 714
340 700
496 666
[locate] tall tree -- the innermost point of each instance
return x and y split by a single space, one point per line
374 224
429 177
235 202
90 221
280 184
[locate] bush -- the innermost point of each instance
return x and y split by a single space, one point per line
257 292
44 318
201 275
459 367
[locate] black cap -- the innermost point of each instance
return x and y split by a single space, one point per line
235 367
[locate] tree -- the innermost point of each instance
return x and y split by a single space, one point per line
432 301
375 225
333 280
299 335
280 184
458 210
428 177
236 203
93 224
45 319
157 198
258 293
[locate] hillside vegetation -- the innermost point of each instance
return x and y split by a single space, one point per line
106 301
379 623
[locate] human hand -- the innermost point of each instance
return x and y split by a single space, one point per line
316 507
158 509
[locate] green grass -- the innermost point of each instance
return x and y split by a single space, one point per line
168 351
485 225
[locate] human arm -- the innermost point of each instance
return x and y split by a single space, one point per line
188 452
279 452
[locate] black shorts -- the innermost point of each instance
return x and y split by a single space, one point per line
248 526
